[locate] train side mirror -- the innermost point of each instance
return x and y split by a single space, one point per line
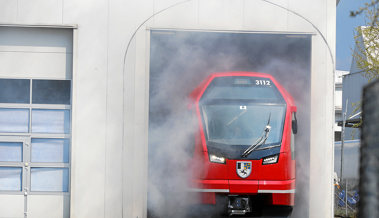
294 123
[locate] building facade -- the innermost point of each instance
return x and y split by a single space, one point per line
338 102
74 125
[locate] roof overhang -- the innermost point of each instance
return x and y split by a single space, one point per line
353 121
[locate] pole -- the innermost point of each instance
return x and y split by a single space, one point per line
346 199
343 139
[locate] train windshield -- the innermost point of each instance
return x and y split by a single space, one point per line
236 124
235 111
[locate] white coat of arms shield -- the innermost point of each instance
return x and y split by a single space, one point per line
243 169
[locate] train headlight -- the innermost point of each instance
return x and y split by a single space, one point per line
270 160
215 159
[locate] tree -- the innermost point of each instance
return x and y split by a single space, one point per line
366 52
367 6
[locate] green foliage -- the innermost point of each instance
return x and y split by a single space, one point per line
368 6
340 212
367 54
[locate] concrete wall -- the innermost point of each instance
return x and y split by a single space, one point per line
110 93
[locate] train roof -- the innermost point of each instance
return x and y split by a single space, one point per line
200 89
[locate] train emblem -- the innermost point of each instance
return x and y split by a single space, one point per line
243 169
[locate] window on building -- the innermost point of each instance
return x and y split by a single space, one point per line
35 135
15 91
337 136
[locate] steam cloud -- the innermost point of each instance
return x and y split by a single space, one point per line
179 62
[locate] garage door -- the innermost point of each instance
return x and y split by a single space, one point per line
35 121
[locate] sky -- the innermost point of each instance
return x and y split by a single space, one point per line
345 31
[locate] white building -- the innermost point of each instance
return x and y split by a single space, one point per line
338 77
74 124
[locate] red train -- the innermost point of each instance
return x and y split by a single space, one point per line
243 152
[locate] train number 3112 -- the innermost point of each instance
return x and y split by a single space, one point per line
262 82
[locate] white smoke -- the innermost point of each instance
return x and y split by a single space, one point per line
179 62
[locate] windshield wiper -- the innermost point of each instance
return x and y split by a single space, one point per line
260 141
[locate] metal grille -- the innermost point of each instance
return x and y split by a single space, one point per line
369 170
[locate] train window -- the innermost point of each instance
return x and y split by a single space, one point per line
228 124
248 93
242 88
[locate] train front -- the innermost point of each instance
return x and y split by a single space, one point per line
243 154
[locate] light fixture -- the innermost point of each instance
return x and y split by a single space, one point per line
215 159
270 159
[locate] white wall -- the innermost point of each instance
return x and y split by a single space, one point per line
35 52
110 104
338 97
